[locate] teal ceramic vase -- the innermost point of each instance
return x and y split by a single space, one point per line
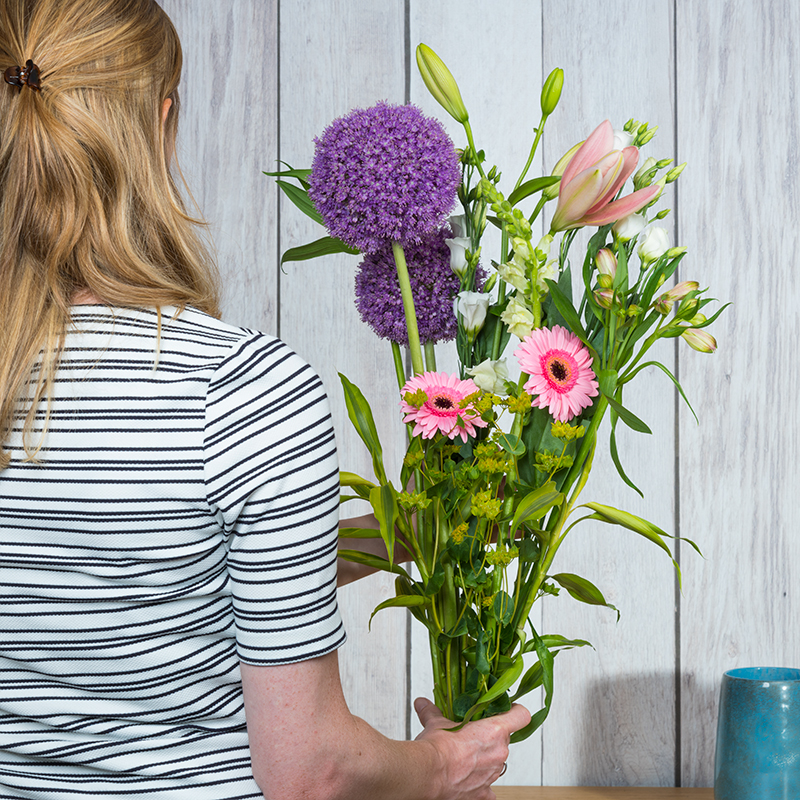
758 735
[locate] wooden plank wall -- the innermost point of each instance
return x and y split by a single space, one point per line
263 77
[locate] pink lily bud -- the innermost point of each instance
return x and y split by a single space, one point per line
680 291
699 340
592 179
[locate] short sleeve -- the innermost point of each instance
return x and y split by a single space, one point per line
272 481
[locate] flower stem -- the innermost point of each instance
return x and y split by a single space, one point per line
535 144
399 367
408 306
468 130
430 357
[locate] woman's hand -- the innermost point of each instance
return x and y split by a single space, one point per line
474 757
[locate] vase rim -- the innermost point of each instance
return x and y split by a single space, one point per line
765 674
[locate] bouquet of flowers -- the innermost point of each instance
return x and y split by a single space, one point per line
495 465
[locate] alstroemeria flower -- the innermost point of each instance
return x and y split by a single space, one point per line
591 181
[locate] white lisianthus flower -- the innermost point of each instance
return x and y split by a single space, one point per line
629 227
518 318
458 254
472 308
547 272
514 273
458 224
622 139
491 376
653 245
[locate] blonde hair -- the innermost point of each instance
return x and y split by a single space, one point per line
87 198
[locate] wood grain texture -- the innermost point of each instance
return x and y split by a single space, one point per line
613 720
502 125
228 135
335 56
739 126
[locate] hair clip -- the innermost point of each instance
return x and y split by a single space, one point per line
24 76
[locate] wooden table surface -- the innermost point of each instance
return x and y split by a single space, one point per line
598 793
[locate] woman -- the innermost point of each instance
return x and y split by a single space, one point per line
168 482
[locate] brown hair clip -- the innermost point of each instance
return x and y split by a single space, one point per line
24 76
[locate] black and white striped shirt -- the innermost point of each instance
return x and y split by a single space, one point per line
182 518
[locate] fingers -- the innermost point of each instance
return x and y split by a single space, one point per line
518 717
426 711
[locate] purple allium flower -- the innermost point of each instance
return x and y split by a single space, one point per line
433 284
383 173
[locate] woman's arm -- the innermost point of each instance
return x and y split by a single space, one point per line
347 570
305 743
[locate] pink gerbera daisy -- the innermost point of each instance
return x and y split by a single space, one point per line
440 409
560 370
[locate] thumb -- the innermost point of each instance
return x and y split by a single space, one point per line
426 711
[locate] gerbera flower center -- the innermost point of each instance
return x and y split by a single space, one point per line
560 370
442 402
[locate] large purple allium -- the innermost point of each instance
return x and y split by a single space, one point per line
433 285
383 173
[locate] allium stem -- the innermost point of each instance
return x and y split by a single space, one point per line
408 307
399 367
430 357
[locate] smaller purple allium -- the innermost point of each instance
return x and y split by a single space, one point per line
383 173
433 285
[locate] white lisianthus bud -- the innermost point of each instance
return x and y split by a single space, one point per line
458 224
514 273
629 227
639 176
653 245
622 139
518 318
472 308
491 376
458 254
548 272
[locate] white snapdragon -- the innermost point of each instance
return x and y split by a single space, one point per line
518 318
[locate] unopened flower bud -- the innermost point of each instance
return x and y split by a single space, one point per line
645 137
605 281
641 178
629 227
622 139
551 91
672 175
679 291
653 245
606 262
674 252
458 224
552 191
663 214
472 308
491 376
699 340
441 83
479 217
458 255
605 298
698 319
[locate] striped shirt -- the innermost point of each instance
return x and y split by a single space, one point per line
182 518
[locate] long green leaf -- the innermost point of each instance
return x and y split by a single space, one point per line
612 446
359 533
504 681
531 187
546 660
300 198
583 590
628 417
384 505
670 376
360 414
299 174
569 314
376 562
536 504
325 246
404 601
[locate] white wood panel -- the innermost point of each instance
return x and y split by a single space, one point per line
502 97
228 135
739 127
612 720
336 56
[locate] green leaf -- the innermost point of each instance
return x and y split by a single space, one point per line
536 504
376 562
404 601
360 414
670 376
531 187
481 661
612 446
503 608
569 314
583 590
504 682
531 680
556 641
299 174
325 246
628 417
384 505
546 662
621 276
361 486
511 444
300 198
359 533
